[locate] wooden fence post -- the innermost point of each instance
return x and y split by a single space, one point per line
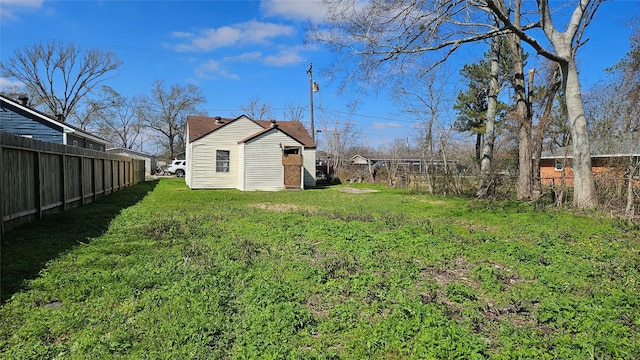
104 176
94 179
37 182
81 172
63 180
1 185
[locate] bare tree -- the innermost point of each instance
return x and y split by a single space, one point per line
165 111
623 103
293 112
385 37
94 107
426 99
606 105
59 76
394 153
255 109
565 45
339 137
121 124
486 180
632 115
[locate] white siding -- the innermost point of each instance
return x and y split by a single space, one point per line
309 164
241 167
203 155
263 161
188 157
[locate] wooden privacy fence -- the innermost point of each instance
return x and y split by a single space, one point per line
38 177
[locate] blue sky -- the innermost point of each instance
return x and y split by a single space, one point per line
239 50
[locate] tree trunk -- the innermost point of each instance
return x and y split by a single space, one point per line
487 150
479 147
172 152
536 186
370 167
428 148
427 174
552 89
584 190
524 185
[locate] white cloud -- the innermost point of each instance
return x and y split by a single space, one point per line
387 125
212 70
301 10
9 8
286 56
250 56
182 34
250 32
7 84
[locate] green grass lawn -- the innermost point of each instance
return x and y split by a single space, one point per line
157 271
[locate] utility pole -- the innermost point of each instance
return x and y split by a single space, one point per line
312 87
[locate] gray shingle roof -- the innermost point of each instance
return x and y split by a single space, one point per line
626 145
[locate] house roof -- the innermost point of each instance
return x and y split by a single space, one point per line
200 126
66 128
121 150
625 145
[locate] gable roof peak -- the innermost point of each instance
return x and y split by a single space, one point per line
200 126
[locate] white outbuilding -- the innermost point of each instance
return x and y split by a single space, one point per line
248 154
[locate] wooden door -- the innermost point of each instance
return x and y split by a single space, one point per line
292 164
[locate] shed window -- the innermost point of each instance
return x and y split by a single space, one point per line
289 150
559 165
222 160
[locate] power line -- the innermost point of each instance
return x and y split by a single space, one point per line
369 116
154 53
352 114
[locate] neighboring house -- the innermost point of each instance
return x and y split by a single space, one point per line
359 160
248 154
412 165
149 160
19 119
609 159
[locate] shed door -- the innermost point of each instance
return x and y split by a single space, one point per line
292 163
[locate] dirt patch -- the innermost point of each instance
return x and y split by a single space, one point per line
519 313
357 191
280 207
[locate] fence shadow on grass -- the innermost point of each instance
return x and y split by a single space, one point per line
27 248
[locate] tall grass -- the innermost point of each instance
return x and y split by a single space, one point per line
324 274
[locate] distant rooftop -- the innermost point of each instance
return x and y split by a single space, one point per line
626 145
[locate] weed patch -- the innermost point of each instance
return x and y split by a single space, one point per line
164 272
